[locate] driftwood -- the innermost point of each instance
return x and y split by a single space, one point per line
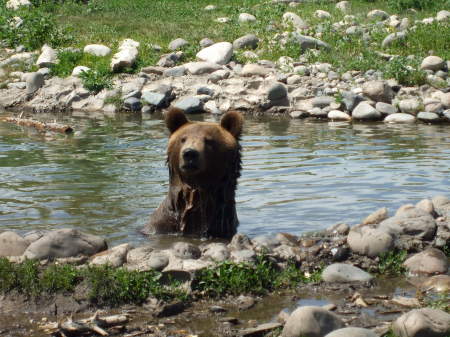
41 126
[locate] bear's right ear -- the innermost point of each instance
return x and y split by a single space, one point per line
175 118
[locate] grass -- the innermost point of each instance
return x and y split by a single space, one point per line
391 263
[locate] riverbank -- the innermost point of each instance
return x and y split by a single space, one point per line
74 272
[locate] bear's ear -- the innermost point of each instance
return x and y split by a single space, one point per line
175 118
233 121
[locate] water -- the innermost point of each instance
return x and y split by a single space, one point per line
297 175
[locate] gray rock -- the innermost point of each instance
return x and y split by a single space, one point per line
433 63
425 322
400 118
377 14
200 68
276 91
249 41
378 91
428 117
429 262
411 221
97 50
79 69
321 14
394 37
240 241
410 106
169 60
190 105
245 17
139 254
341 272
219 53
114 257
338 115
293 19
157 261
126 56
175 72
299 114
308 42
245 255
132 104
351 100
217 252
352 332
385 108
206 42
369 241
157 70
155 100
12 244
48 57
177 44
310 321
203 90
34 82
322 101
443 15
364 111
184 250
343 6
65 243
376 217
251 69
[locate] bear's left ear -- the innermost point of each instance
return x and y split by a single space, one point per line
175 118
233 121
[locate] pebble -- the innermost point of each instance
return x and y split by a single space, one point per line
97 50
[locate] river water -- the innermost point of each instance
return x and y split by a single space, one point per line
298 175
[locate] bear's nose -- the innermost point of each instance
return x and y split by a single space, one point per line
190 154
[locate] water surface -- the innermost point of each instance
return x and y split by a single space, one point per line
298 175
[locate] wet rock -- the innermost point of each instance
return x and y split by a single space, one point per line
65 243
364 111
293 19
245 255
351 100
97 50
337 115
310 321
260 330
114 257
410 221
398 118
378 91
428 117
394 37
251 69
217 252
34 82
429 262
385 108
132 104
219 53
352 332
433 63
422 322
126 56
376 217
185 250
276 92
200 68
245 18
177 44
48 57
341 272
369 241
12 244
189 105
410 106
249 41
245 302
438 283
169 309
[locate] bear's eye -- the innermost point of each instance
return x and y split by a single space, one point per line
183 139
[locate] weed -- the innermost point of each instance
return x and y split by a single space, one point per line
67 61
98 79
439 301
402 5
59 278
405 71
115 100
391 263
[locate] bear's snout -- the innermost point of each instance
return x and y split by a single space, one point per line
191 159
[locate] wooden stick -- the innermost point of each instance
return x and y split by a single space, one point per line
55 127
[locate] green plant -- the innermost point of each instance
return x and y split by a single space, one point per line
59 278
98 79
67 61
115 100
405 71
439 301
402 5
391 263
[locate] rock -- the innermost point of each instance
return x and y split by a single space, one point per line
249 41
16 4
299 114
321 14
200 68
377 14
351 100
210 8
245 17
245 256
218 75
411 221
127 55
310 321
308 42
433 63
175 71
223 20
260 330
385 108
153 70
378 91
206 42
178 44
276 91
340 229
251 69
430 261
132 104
184 250
343 6
97 50
114 257
426 205
169 60
443 15
48 57
293 19
34 82
156 100
217 252
219 53
79 69
438 283
428 117
139 254
394 37
369 241
341 272
338 115
376 217
189 105
410 106
322 101
364 111
12 244
65 243
352 332
422 322
212 108
400 118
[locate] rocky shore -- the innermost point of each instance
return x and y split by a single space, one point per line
348 261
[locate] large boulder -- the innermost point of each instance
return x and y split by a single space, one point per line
366 240
425 322
12 244
65 243
126 56
430 261
379 91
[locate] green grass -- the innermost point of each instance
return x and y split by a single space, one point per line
391 263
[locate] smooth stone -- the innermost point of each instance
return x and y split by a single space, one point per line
251 69
394 37
126 56
351 100
175 71
114 257
428 117
79 69
308 42
400 118
245 17
65 243
369 241
293 19
410 106
34 82
340 272
189 105
322 101
433 63
97 50
364 111
12 244
48 57
219 53
299 114
377 14
206 42
424 322
184 250
430 261
177 44
155 99
216 251
311 321
386 108
249 41
200 68
132 104
321 14
378 91
277 91
376 217
352 332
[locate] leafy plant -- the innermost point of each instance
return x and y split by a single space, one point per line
405 71
98 79
402 5
67 61
60 278
391 263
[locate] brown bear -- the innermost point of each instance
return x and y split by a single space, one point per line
204 161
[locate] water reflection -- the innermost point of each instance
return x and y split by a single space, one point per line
299 175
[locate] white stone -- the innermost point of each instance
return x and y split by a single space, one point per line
290 18
400 118
127 55
343 6
16 4
433 63
338 115
322 14
443 15
245 17
79 69
377 14
97 50
47 58
219 53
223 20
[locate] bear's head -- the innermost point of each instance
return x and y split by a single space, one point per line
203 154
